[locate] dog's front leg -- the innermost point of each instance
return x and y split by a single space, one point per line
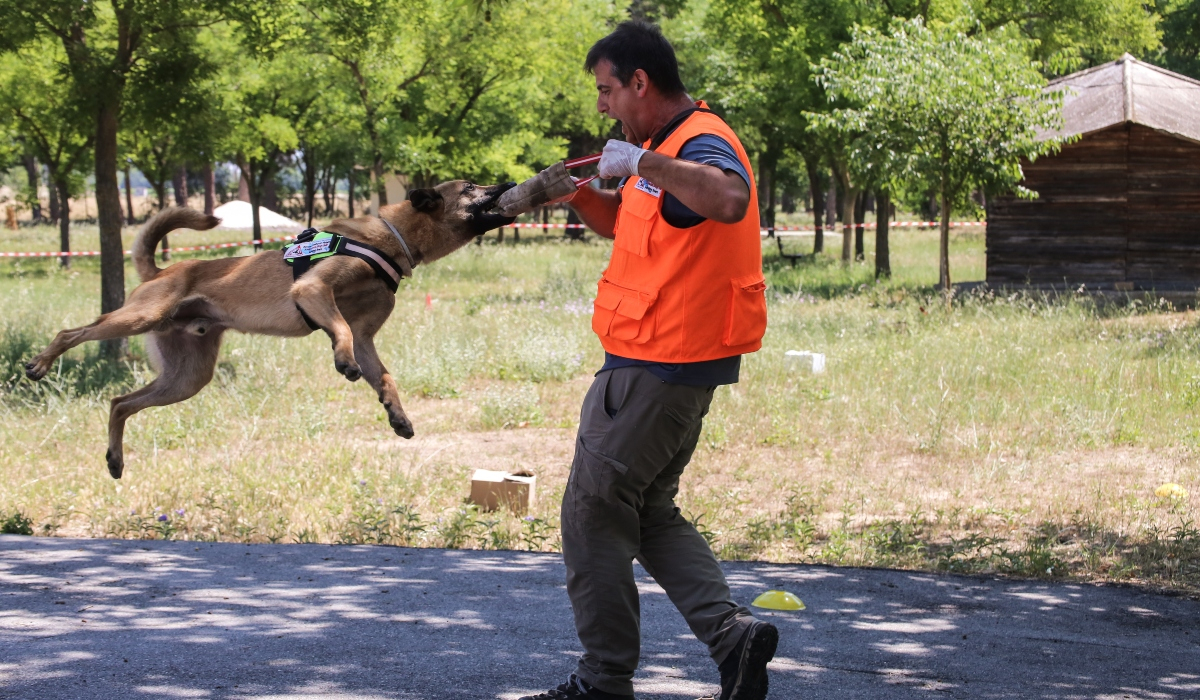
315 298
383 384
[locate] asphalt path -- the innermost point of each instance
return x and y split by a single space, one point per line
142 619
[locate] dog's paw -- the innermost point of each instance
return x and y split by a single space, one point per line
403 427
34 371
116 465
348 370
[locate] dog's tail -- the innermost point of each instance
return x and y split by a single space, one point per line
157 229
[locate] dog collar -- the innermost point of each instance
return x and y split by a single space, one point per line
403 246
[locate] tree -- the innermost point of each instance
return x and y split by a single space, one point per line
51 121
940 109
266 98
105 44
1067 35
168 118
1181 37
753 62
483 90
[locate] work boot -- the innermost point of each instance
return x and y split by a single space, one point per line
576 689
744 671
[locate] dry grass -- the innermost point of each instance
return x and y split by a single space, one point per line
1008 435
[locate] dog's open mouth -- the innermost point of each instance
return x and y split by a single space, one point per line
483 219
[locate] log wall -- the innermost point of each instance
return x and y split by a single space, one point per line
1118 206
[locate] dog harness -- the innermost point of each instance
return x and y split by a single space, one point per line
312 246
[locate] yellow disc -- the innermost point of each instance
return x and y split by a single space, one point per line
778 600
1173 491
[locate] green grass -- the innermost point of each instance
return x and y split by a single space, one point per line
1003 434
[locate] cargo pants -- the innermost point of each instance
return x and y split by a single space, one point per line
636 435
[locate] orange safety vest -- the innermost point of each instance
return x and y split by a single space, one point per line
682 295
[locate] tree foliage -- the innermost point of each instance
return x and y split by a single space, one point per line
892 96
50 118
1181 36
939 108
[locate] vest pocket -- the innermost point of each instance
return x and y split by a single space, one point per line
746 320
634 222
623 313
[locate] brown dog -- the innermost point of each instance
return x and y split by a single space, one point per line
186 307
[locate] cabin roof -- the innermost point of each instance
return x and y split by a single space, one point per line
1128 90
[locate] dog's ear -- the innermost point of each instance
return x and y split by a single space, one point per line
425 200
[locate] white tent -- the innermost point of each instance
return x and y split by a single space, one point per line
238 215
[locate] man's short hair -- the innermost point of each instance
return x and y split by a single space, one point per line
635 44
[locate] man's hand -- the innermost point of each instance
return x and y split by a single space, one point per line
620 159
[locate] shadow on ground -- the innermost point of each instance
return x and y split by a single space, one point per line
128 619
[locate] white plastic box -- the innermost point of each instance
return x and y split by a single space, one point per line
806 359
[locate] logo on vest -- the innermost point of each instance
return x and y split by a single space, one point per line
646 186
307 248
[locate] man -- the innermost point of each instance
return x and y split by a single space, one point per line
681 301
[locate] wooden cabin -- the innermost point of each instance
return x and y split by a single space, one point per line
1119 208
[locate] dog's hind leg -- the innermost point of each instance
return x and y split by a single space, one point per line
187 362
315 298
146 308
383 384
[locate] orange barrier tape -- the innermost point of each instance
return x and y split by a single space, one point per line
835 230
89 253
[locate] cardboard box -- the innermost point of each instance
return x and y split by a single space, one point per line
805 359
515 491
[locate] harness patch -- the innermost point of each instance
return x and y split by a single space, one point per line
312 246
648 187
297 250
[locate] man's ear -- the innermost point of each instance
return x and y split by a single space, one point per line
425 200
640 82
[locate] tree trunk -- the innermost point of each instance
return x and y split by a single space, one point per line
32 172
883 260
64 224
243 185
944 247
831 202
860 214
849 196
328 189
108 212
267 195
575 234
255 188
160 193
350 195
766 193
377 176
771 202
848 202
210 188
787 202
128 197
54 207
179 185
310 185
817 207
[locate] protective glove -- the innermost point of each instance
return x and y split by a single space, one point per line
620 159
566 197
